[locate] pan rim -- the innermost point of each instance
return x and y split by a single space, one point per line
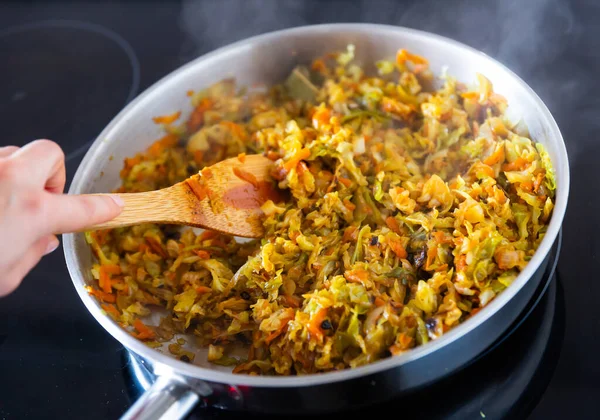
202 373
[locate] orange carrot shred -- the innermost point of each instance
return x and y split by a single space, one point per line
246 176
198 189
112 269
167 142
345 181
199 157
318 65
349 204
300 155
110 309
167 119
202 254
104 281
350 233
156 246
403 56
357 275
203 289
398 249
208 234
197 117
105 297
518 165
242 157
143 331
314 326
392 223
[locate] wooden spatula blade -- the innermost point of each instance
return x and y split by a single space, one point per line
226 197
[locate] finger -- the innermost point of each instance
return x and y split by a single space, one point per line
14 276
6 151
73 213
56 182
42 162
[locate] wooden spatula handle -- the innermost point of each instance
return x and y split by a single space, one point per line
145 207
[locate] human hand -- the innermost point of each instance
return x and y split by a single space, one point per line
33 209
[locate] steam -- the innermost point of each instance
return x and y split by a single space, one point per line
530 37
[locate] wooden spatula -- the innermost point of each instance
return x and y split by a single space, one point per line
225 197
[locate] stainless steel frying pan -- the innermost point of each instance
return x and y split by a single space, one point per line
267 59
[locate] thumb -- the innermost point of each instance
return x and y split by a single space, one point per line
74 213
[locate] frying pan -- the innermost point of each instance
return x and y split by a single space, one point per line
267 59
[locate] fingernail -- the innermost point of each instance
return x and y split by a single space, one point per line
52 245
118 200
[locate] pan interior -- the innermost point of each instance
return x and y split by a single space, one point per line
267 60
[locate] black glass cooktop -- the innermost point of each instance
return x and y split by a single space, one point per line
66 68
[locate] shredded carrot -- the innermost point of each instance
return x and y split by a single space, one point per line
199 157
202 254
350 233
236 129
379 301
104 297
345 181
294 235
104 281
246 176
129 163
198 189
349 204
480 168
403 56
474 311
101 236
497 156
392 223
441 237
271 155
242 157
321 116
167 142
431 253
110 309
518 165
144 332
197 117
203 289
300 155
319 66
112 269
470 95
302 168
167 119
527 186
314 326
156 246
498 127
357 275
442 267
206 173
398 249
208 234
275 334
293 301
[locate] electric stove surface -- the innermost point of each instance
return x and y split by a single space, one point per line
66 69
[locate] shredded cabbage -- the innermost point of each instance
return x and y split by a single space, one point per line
408 209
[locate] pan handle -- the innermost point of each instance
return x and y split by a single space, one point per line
165 399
